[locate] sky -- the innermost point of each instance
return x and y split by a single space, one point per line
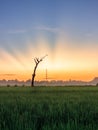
65 30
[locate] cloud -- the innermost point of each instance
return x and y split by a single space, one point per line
13 31
38 28
7 74
16 31
49 29
88 34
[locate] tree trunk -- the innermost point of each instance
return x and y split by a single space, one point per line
33 76
32 83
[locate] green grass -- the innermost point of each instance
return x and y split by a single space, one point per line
49 108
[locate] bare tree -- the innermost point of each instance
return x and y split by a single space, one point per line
37 61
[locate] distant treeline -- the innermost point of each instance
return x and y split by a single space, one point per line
48 83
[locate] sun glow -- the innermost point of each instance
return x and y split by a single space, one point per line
63 62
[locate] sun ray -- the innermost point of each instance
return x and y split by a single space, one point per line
63 62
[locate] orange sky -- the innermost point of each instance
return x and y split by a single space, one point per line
63 63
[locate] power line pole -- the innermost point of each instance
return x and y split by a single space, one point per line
46 74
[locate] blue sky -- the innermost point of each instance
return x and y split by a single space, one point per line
71 15
22 22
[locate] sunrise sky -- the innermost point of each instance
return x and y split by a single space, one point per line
66 30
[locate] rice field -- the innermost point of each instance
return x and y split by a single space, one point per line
49 108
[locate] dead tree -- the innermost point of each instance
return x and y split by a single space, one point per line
37 61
